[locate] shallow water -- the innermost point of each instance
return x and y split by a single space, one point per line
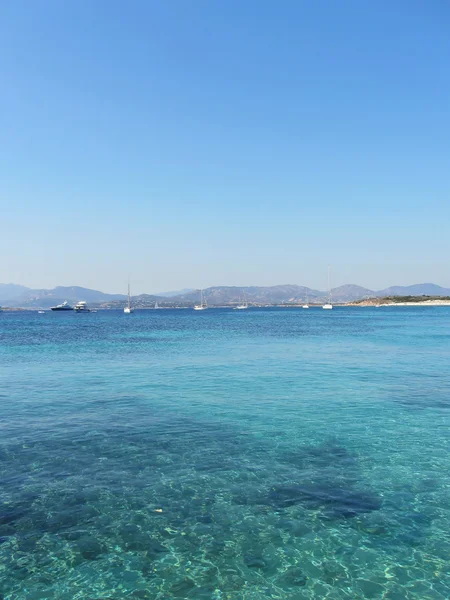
225 455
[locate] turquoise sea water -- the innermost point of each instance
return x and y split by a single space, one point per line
225 455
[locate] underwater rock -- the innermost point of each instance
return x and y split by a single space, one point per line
138 543
202 593
341 502
181 588
327 478
11 514
322 455
62 519
28 543
89 548
206 519
132 537
293 577
154 549
143 594
214 548
246 495
254 561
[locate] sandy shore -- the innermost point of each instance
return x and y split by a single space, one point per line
424 303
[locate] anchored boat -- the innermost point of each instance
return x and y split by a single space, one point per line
128 308
63 306
202 305
81 307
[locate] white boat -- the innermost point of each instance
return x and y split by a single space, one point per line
243 304
202 305
156 306
63 306
81 307
41 312
306 305
128 308
328 305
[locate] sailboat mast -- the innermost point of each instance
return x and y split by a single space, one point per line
129 303
329 284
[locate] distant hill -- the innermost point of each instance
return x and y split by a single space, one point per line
419 289
350 292
277 294
176 293
11 290
43 298
17 296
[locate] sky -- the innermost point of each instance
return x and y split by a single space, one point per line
197 143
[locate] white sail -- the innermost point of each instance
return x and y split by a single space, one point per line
128 308
306 305
243 304
328 305
202 305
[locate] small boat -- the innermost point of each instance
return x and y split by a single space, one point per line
306 305
328 305
243 304
63 306
41 312
81 307
128 309
156 306
202 305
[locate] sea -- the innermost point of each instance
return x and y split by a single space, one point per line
280 453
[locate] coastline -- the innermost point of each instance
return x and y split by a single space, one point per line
420 303
424 303
361 304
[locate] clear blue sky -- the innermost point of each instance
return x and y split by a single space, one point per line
229 142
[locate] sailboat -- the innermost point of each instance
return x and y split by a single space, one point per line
156 306
202 305
306 305
328 305
128 308
243 304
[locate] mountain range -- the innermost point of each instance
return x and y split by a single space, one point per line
18 296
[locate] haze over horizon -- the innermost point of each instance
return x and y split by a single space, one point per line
181 291
194 145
